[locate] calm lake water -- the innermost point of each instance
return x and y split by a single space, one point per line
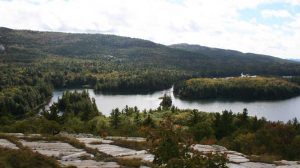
282 110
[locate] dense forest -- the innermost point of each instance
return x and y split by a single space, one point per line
243 88
294 79
168 125
33 63
137 54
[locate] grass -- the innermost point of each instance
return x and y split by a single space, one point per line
264 158
96 143
130 162
131 144
25 158
135 163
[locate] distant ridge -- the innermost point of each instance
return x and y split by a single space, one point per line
296 60
214 51
28 46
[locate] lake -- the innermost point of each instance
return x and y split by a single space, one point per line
282 110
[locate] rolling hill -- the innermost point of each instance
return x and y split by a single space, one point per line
28 46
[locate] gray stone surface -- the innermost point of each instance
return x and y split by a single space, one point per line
145 157
237 158
135 139
69 155
257 165
117 151
233 156
90 164
55 149
18 135
7 144
92 140
251 165
286 162
75 156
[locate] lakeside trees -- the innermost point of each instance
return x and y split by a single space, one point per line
240 132
259 88
166 102
18 101
78 104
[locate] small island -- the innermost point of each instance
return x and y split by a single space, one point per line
237 88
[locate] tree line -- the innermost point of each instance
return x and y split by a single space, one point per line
76 112
258 88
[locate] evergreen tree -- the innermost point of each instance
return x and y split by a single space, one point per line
137 119
149 122
115 118
166 102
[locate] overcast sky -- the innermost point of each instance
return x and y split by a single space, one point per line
261 26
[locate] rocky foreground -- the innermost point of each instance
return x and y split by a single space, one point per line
68 155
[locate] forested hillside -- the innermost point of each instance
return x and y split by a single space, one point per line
28 46
258 88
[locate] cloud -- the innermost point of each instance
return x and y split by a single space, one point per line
276 13
213 23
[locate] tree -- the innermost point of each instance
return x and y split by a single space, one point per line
294 148
224 124
202 130
171 149
195 118
115 118
243 119
166 143
149 122
137 119
52 114
79 104
166 102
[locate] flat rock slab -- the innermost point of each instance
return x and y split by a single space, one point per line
233 156
251 165
7 144
237 158
18 135
90 164
208 148
289 166
134 139
117 151
55 149
286 162
93 140
145 157
234 153
21 135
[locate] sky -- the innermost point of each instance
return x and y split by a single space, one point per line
270 27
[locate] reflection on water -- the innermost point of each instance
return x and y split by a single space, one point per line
282 110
